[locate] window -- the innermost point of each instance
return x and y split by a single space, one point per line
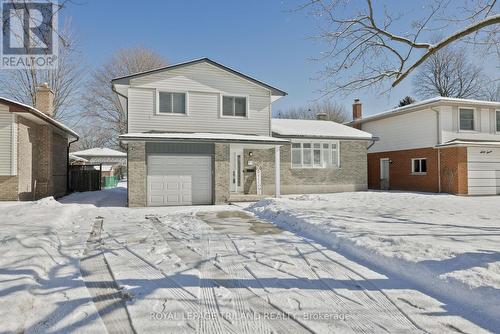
498 120
315 155
234 106
296 155
466 119
419 166
172 103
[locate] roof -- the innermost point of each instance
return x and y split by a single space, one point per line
203 137
459 142
37 113
104 168
126 79
100 152
429 102
77 158
315 128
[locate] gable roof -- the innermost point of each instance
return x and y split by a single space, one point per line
100 152
125 80
315 129
24 108
423 104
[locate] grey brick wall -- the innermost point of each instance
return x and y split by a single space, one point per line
352 176
221 173
137 174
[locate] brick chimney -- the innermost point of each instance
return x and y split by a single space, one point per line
44 99
357 113
321 116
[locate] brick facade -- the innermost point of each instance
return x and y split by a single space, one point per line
350 177
8 188
454 170
453 173
137 174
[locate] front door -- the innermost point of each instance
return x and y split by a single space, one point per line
236 172
384 173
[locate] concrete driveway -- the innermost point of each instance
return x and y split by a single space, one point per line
225 271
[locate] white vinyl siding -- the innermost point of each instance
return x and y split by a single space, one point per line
8 142
413 130
315 154
204 84
483 170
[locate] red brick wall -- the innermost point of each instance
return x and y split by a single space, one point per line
400 177
454 170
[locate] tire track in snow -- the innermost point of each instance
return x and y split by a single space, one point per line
99 280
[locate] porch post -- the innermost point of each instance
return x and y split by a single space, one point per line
277 178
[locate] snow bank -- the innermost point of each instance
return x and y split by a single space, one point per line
446 245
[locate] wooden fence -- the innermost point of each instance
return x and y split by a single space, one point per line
84 178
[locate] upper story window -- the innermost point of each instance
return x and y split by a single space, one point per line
171 103
234 106
466 119
419 166
498 120
315 155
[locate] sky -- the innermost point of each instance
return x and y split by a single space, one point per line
268 40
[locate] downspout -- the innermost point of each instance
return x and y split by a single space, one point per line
67 165
374 139
438 149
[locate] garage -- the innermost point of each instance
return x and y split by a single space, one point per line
179 179
483 170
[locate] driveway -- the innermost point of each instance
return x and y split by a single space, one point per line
219 270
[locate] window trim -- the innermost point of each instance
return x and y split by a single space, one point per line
412 172
221 107
474 119
497 118
313 166
157 104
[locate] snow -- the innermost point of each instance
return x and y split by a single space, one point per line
219 269
314 128
73 157
440 242
100 152
203 136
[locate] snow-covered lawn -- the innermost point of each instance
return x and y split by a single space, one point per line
447 244
88 264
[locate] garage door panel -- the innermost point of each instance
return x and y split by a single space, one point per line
186 179
483 170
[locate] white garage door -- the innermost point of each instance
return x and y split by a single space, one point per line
179 179
483 168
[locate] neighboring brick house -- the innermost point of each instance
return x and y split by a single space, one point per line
201 133
33 149
437 145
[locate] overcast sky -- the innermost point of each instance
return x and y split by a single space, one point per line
266 39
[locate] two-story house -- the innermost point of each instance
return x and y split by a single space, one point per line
437 145
202 133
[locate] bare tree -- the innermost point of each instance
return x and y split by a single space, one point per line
405 101
64 79
101 103
92 136
366 48
448 73
491 91
334 112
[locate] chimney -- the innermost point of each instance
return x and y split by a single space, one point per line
321 116
357 113
44 99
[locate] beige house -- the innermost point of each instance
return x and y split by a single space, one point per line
33 149
200 132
